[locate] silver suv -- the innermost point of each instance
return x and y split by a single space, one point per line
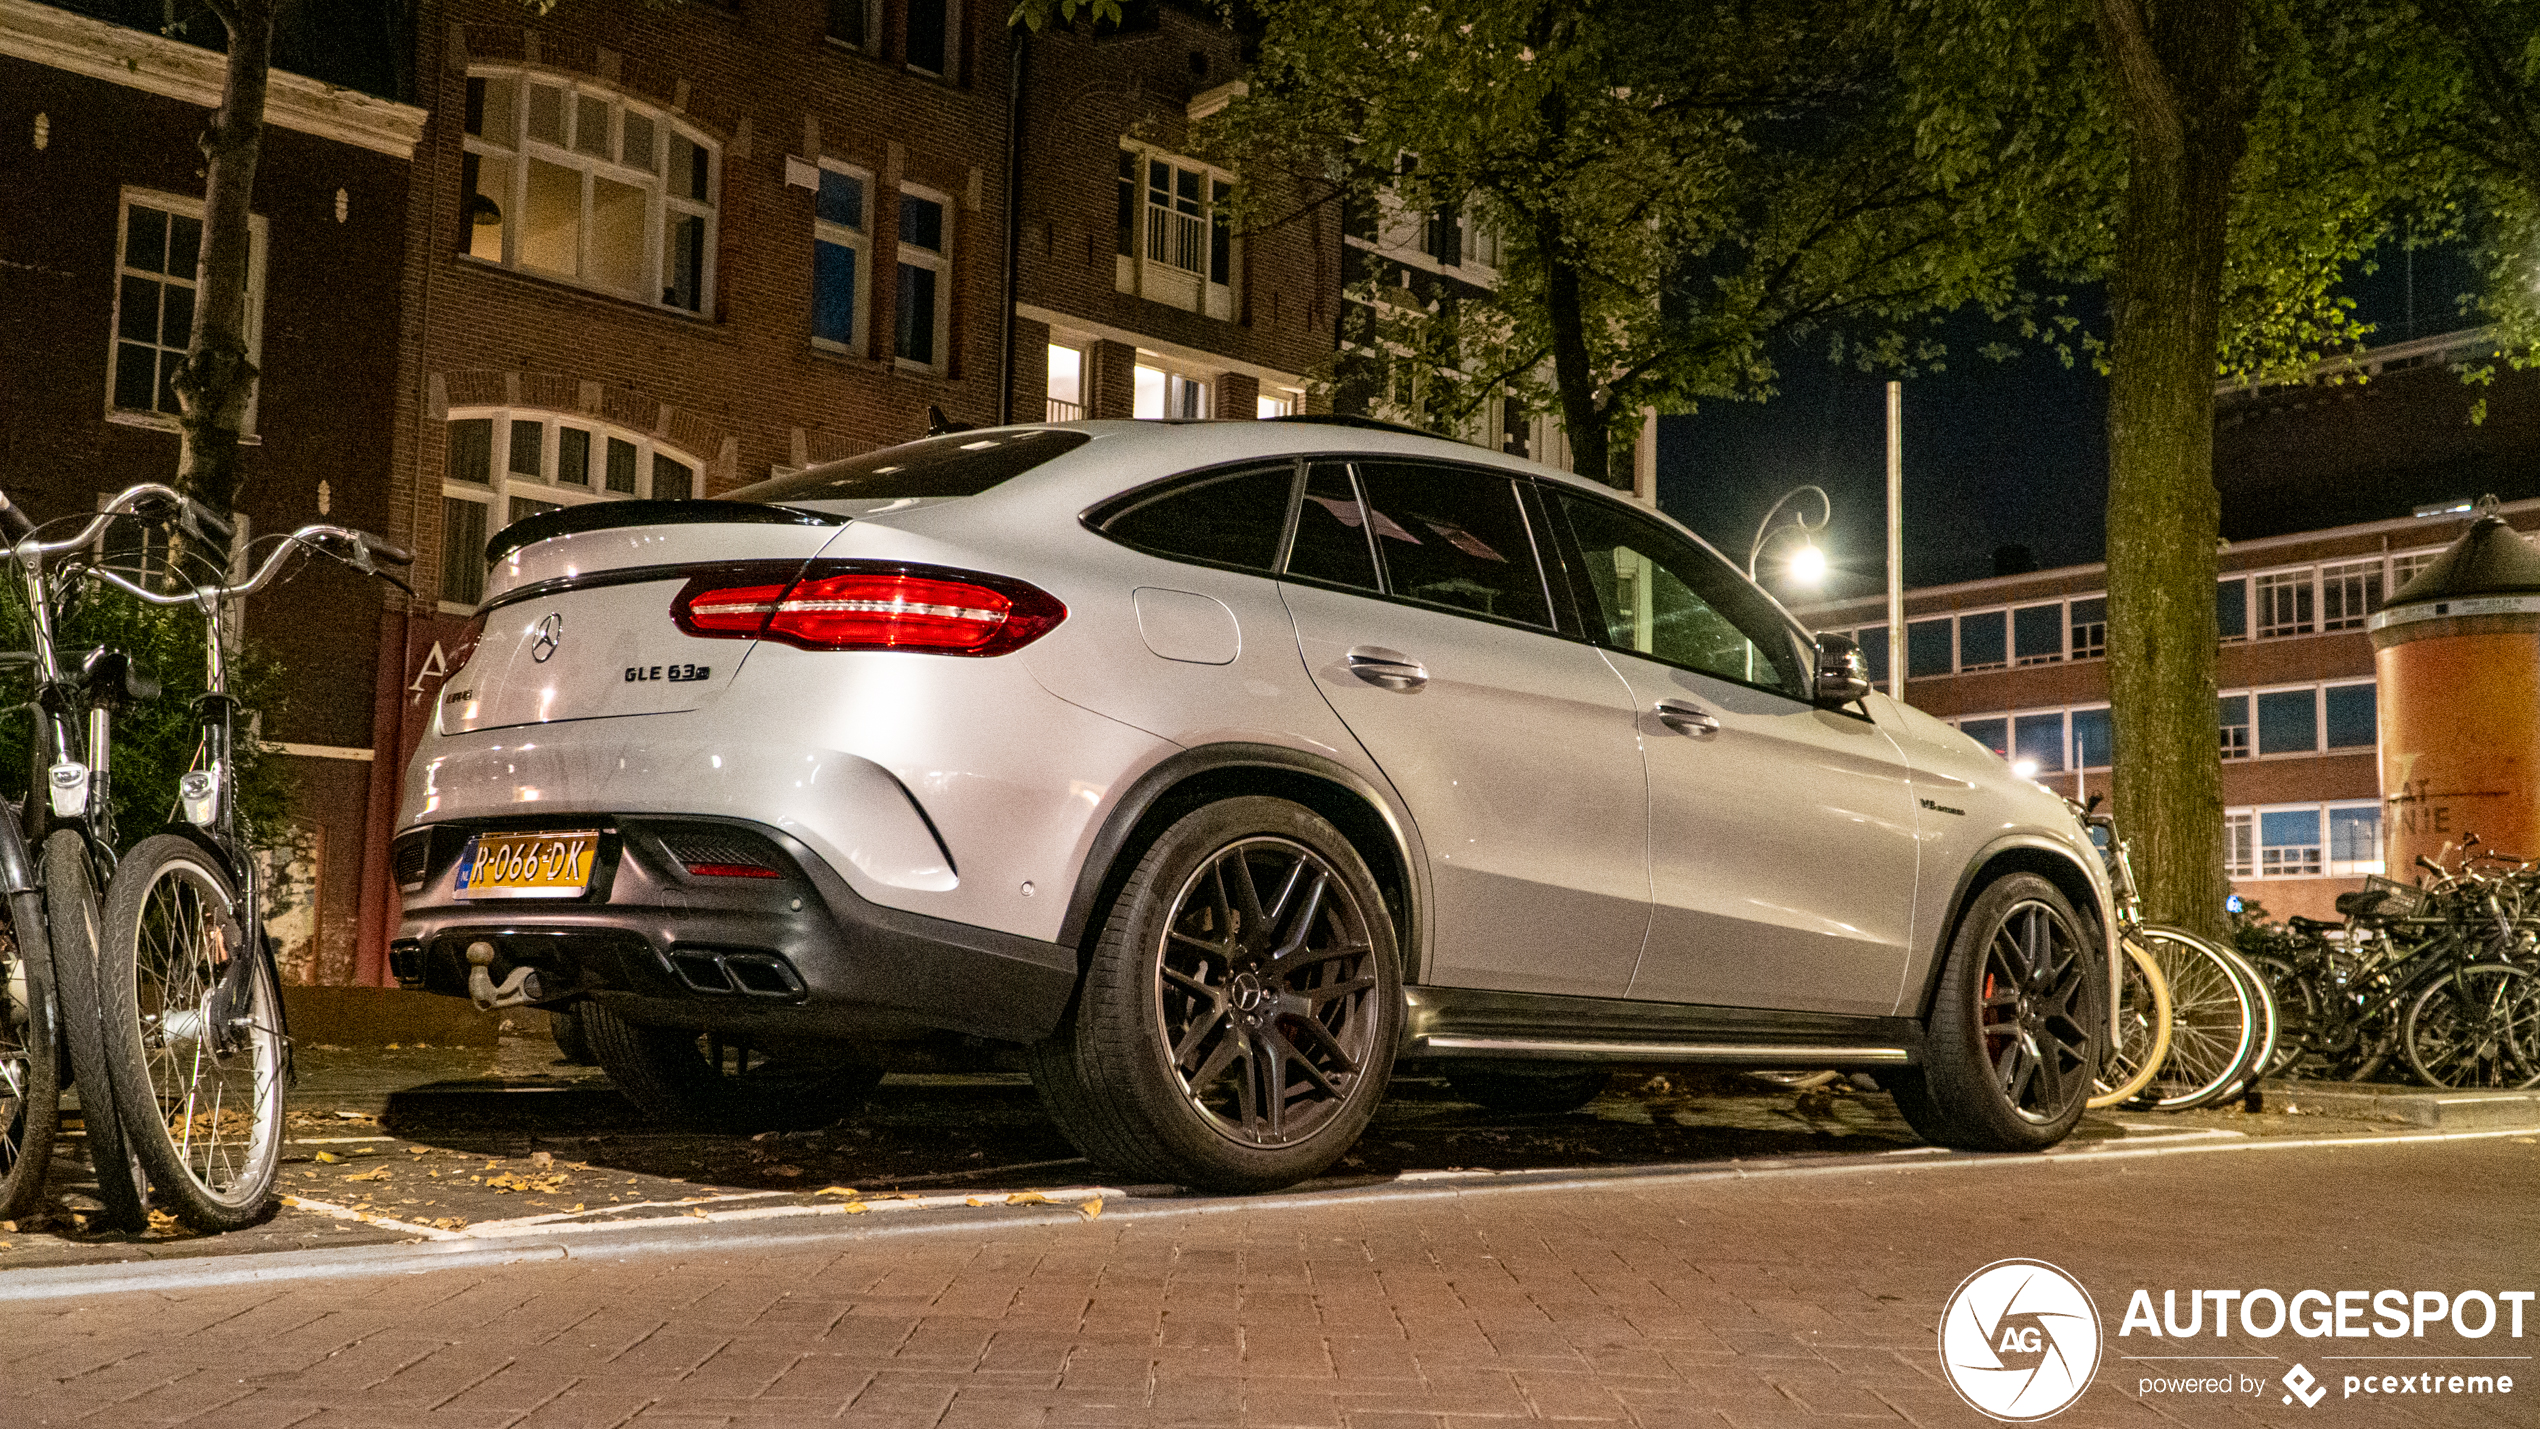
1221 768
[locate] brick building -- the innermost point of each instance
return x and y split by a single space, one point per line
98 122
2321 486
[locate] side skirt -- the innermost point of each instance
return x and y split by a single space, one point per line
1449 1022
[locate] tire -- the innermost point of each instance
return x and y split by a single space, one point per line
2262 1045
2143 1032
74 931
2214 1021
1529 1091
710 1082
30 1057
2297 1010
572 1042
1237 1021
2479 1027
2017 1026
205 1110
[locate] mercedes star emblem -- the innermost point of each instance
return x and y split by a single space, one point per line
550 635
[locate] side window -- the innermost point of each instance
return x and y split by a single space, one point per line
1233 520
1456 538
1331 531
1660 595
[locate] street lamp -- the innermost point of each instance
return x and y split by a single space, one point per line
1807 565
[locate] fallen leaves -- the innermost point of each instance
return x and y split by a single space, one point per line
376 1173
511 1181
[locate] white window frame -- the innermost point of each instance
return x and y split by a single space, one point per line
2358 589
2258 824
2072 643
940 261
858 241
2257 721
1061 409
1172 384
181 206
661 205
2247 745
1155 277
1958 639
2353 867
2063 633
2405 567
2240 843
2367 683
952 43
872 26
2072 736
2301 581
504 485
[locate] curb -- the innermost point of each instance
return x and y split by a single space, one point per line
757 1233
2413 1106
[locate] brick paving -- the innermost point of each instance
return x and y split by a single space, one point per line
1730 1304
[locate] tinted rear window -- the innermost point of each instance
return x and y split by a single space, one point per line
1232 520
961 464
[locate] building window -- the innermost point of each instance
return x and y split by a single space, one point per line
2094 739
1873 643
2240 845
840 259
2039 739
925 301
160 249
2348 593
2404 569
1927 648
2037 634
2231 609
2235 726
2288 722
1162 394
1993 734
2354 841
1067 384
548 460
929 34
2284 604
568 180
1982 641
2289 843
2351 722
1176 244
2089 622
855 23
1274 402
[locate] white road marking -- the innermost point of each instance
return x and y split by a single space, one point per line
347 1213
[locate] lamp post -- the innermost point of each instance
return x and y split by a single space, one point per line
1808 563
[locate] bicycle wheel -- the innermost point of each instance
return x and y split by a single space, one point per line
2479 1027
72 926
2143 1031
2261 1054
206 1120
2213 1023
30 1061
2297 1010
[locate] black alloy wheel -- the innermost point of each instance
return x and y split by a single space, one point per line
2017 1027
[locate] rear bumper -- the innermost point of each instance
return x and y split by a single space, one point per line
799 954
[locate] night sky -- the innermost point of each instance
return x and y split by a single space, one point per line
1997 453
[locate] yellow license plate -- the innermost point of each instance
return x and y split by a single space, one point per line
528 865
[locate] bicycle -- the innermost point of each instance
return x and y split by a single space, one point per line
30 1056
2221 1024
171 1004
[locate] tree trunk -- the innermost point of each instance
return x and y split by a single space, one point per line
216 380
1573 371
2183 90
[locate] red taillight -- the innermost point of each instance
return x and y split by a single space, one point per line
836 607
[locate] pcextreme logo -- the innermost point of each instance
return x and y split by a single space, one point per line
2019 1340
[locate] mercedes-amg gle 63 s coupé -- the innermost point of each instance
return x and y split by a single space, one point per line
1218 769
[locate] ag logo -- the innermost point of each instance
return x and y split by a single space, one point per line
2019 1340
548 636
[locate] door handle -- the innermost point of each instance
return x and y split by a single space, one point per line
1390 668
1689 719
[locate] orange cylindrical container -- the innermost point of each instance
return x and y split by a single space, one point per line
2457 655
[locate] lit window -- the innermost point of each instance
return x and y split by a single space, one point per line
2288 722
1982 641
2354 841
154 301
2348 593
1176 240
840 259
1274 403
547 460
565 179
2089 622
2289 843
925 300
1067 384
2235 726
2037 634
2284 604
1163 394
2240 845
2352 721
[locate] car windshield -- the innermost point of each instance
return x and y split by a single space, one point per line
961 464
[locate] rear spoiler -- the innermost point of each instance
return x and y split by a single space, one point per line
606 515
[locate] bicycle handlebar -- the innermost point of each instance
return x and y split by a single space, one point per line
317 537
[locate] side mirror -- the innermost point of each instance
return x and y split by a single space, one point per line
1842 676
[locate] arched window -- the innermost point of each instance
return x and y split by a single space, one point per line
507 466
568 179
